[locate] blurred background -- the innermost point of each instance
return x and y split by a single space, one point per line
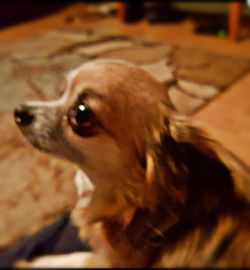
199 50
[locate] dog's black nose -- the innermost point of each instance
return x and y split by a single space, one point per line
23 116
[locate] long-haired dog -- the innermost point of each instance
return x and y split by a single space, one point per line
161 192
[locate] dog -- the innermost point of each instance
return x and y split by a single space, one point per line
154 189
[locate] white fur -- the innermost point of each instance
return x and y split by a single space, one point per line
83 185
73 260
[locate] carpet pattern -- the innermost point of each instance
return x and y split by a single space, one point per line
36 188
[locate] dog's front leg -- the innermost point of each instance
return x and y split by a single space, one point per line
73 260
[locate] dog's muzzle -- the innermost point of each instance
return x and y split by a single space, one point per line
23 116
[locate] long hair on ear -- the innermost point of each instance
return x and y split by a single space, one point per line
193 175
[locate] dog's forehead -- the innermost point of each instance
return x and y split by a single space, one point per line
103 78
100 73
94 68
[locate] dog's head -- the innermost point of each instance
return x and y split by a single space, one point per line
101 121
116 123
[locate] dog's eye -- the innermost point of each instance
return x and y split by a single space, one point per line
82 120
83 115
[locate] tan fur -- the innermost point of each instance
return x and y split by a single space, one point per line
163 194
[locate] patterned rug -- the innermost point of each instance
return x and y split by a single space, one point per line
36 188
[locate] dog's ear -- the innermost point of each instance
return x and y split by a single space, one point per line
185 168
164 163
239 171
166 189
200 144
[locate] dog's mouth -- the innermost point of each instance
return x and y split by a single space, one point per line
38 139
39 143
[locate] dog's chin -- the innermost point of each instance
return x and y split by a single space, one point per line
41 147
39 143
51 148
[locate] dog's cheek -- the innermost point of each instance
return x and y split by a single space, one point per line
68 143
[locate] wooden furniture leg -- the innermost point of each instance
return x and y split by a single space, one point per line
234 19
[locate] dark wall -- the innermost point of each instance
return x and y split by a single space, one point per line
11 13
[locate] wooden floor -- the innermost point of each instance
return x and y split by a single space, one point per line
226 118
